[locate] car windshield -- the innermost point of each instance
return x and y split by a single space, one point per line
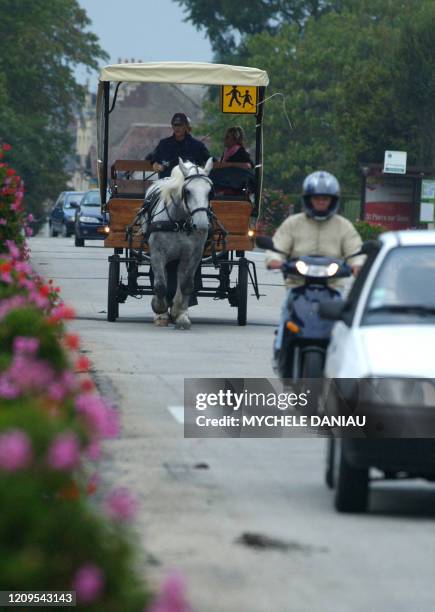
404 289
92 198
72 197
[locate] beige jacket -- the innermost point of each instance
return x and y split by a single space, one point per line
300 235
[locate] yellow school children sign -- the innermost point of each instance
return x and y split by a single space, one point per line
240 99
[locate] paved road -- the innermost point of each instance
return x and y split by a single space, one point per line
192 518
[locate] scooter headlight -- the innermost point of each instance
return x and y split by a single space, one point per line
301 267
332 269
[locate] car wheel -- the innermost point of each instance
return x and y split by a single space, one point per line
52 232
79 242
65 231
352 491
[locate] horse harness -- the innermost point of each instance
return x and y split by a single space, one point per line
216 234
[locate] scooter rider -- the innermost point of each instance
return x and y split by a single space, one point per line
318 230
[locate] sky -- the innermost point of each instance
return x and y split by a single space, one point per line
149 30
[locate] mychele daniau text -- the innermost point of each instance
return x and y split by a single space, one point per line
281 421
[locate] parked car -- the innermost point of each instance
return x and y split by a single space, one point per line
62 217
384 338
89 223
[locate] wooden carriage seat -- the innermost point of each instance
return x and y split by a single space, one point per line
122 186
234 216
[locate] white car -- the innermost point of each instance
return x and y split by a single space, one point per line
384 336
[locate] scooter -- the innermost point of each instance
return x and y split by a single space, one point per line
305 335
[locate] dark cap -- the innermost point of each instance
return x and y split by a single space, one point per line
180 118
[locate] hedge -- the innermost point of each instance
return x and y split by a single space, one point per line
59 529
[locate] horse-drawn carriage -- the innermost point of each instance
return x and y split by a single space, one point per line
225 270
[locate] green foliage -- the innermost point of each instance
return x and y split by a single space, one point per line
32 322
42 43
48 528
357 80
228 24
367 231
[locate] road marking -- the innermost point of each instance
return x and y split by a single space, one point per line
178 413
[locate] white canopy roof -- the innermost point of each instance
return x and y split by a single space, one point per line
197 73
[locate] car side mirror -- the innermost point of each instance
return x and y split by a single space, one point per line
333 310
74 204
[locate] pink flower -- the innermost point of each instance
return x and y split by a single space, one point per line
3 221
23 266
30 218
101 419
28 345
64 452
57 391
172 597
30 374
13 249
7 389
88 583
121 505
28 231
68 380
15 450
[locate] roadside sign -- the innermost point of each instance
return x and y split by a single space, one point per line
241 99
389 202
395 162
427 203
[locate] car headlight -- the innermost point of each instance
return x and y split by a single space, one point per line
397 391
88 219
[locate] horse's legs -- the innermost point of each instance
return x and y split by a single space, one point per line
180 306
159 303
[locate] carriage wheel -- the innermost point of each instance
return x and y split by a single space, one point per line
242 290
112 291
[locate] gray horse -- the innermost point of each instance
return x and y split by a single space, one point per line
176 219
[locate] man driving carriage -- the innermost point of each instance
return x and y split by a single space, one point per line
180 145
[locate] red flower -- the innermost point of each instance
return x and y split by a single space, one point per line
5 267
87 385
6 147
82 364
10 172
72 341
44 290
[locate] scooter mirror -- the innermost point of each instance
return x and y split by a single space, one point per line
266 243
368 247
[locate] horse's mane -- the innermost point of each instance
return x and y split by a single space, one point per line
171 187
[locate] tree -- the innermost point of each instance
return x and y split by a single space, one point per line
228 23
42 42
356 83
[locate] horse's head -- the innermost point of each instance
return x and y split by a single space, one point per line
196 193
